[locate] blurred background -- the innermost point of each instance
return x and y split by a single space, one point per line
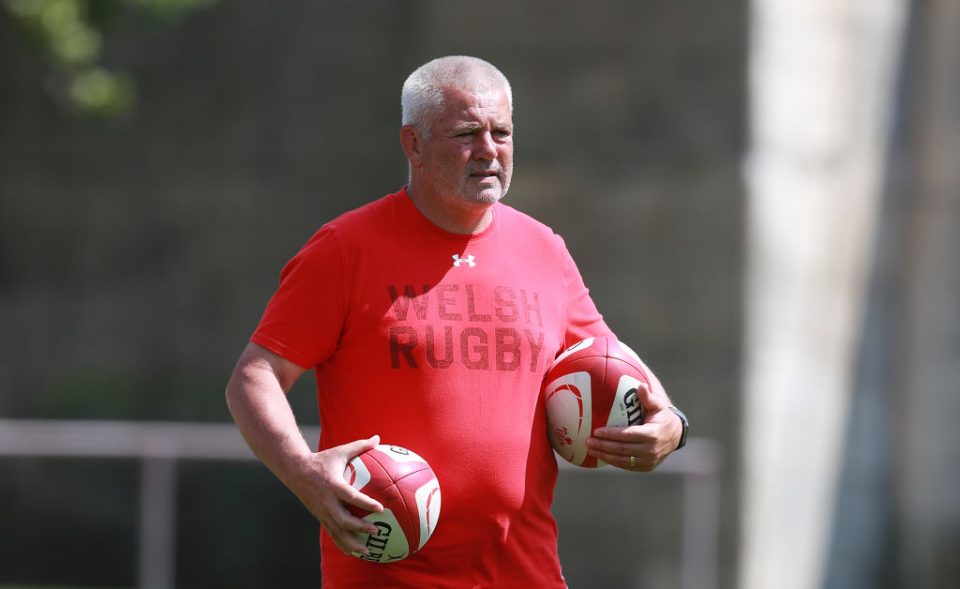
764 199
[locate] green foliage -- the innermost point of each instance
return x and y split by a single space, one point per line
70 35
98 91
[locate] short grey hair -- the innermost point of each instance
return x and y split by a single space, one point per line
422 93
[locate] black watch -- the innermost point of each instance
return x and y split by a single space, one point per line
686 426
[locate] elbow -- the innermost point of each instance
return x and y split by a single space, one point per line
234 391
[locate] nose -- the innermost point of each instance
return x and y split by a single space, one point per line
486 148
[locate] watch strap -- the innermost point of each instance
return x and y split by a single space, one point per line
686 426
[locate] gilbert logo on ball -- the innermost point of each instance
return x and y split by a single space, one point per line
409 491
592 384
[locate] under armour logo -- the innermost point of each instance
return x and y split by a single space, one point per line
457 260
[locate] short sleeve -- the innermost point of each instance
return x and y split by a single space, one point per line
583 318
304 318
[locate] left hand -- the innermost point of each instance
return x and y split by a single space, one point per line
648 443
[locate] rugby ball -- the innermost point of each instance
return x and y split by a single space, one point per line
593 383
409 491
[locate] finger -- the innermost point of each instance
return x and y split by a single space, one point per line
348 494
617 447
349 521
642 462
636 434
653 398
345 492
357 447
347 542
612 433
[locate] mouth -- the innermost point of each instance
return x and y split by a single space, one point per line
485 174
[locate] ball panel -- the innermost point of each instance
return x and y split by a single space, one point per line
626 409
367 474
420 493
625 379
649 376
579 404
581 348
622 351
570 414
428 500
397 461
357 474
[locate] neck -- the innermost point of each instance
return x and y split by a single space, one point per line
464 220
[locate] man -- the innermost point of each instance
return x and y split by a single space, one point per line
430 317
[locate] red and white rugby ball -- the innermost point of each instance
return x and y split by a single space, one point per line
409 491
592 384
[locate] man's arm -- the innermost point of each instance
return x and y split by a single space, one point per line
257 397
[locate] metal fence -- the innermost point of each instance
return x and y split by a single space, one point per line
160 445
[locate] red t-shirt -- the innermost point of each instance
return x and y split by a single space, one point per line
439 343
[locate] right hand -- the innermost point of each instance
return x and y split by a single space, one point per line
321 488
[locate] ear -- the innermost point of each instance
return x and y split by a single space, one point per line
411 144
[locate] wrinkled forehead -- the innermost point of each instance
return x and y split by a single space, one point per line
472 101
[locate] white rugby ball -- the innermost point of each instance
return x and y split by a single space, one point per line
593 383
409 491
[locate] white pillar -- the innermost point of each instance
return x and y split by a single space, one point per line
821 75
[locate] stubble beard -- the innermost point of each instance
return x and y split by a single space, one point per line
487 196
468 190
471 191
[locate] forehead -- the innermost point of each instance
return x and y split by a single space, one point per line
475 105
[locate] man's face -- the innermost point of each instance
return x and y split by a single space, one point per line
469 154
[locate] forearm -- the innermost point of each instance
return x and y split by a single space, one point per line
257 397
263 415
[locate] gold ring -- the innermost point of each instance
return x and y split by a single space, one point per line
633 462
